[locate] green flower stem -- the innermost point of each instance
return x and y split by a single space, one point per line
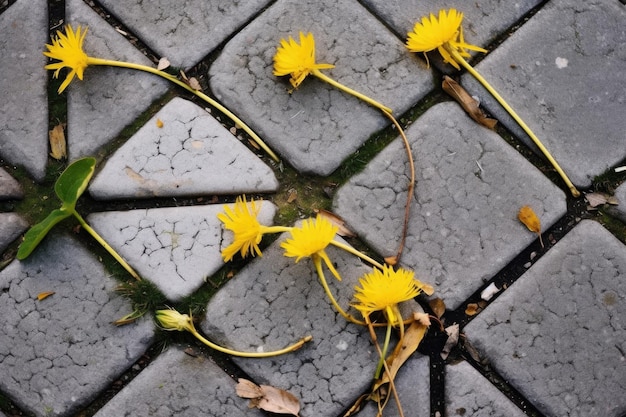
169 77
106 246
355 252
318 267
458 58
348 90
383 355
275 229
231 352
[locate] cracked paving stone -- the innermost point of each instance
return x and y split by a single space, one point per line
24 117
470 185
274 302
57 354
176 248
558 334
177 384
563 72
317 126
191 154
620 209
107 99
9 187
188 32
11 226
413 385
469 394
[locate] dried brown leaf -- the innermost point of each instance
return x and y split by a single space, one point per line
438 307
471 309
293 195
44 295
469 104
195 84
268 398
337 221
163 63
58 148
528 217
451 342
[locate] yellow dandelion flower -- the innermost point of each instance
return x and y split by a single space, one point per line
67 48
310 240
248 232
442 33
383 290
297 60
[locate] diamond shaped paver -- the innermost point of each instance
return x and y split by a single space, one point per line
177 384
188 32
191 154
317 126
274 302
11 226
558 334
563 72
9 187
470 185
107 99
176 248
469 394
57 354
23 81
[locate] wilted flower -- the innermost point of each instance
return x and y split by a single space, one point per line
248 232
384 290
443 33
311 240
173 320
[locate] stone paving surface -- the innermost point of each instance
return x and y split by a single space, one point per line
556 335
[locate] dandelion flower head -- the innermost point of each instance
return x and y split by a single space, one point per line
442 33
173 320
297 60
384 290
248 232
311 240
67 48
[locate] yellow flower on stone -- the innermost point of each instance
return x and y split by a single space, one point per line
442 33
297 60
173 320
310 240
67 48
383 290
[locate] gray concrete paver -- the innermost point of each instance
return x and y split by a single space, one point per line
24 118
272 303
558 333
9 187
470 186
176 248
317 126
177 384
58 353
563 72
107 99
469 394
11 226
188 32
191 154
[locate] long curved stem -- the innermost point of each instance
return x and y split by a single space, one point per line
350 91
355 252
411 188
169 77
106 246
288 349
458 58
331 297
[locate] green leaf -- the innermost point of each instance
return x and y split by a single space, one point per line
39 231
73 181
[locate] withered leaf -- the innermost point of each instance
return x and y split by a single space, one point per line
471 309
337 221
195 84
452 341
163 63
599 199
528 217
44 295
268 398
469 104
58 147
438 306
293 195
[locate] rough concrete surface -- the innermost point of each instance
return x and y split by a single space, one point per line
558 334
191 154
